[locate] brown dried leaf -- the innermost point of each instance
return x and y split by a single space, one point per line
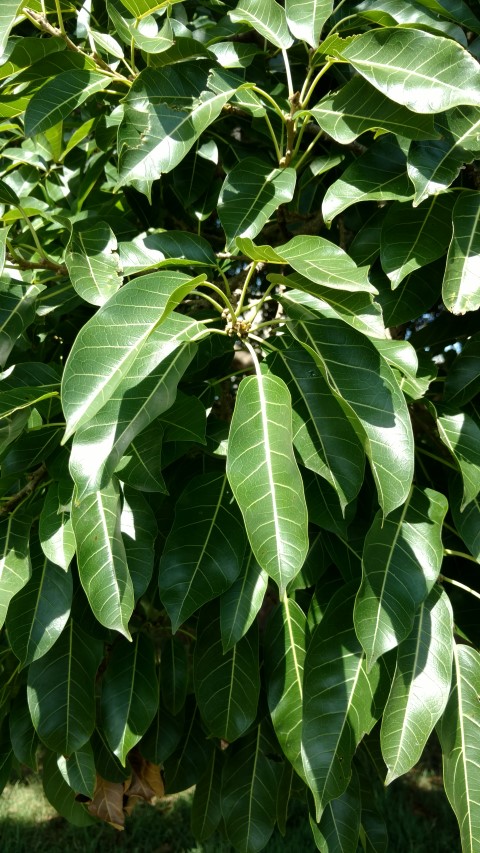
107 803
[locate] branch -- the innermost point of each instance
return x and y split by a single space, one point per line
34 479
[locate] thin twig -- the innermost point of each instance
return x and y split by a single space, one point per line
34 479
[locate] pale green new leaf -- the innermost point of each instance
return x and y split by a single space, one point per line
129 696
426 73
106 347
93 263
307 17
359 107
61 690
204 550
15 565
368 392
251 193
240 604
101 558
378 175
59 97
267 17
459 732
227 685
39 612
402 557
264 476
55 530
285 648
461 434
461 282
420 687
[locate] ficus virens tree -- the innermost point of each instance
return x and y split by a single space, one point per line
240 406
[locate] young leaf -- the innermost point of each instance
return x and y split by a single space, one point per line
265 478
306 19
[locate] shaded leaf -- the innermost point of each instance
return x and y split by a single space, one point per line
55 530
78 770
461 434
339 826
461 282
15 565
206 805
139 531
240 603
174 675
61 796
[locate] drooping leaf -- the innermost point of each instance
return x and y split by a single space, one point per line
23 736
139 531
467 520
461 282
360 379
463 380
265 478
129 696
55 530
251 193
204 551
458 732
402 557
339 826
227 685
388 58
187 764
78 770
206 805
105 348
15 564
240 603
61 796
267 17
61 690
421 685
461 434
101 557
174 675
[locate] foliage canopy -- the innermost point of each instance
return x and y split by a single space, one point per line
240 406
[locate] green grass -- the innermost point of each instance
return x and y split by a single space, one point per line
418 817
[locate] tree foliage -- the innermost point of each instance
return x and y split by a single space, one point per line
239 406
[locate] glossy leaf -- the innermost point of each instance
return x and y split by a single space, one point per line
306 19
285 648
402 557
56 531
388 58
421 685
61 690
339 825
204 551
264 476
15 564
78 770
105 349
461 434
39 612
102 562
240 603
227 685
458 732
267 17
356 309
93 263
463 380
251 193
461 283
360 379
59 97
139 531
129 696
10 10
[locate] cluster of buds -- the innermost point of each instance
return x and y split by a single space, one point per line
234 327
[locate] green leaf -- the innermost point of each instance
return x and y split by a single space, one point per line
101 557
17 312
139 531
378 175
227 686
106 348
366 388
306 19
204 551
55 530
402 557
147 38
339 825
250 194
23 736
413 297
206 806
463 380
467 520
39 612
59 97
61 796
420 687
461 434
267 17
265 478
357 309
147 390
413 237
15 565
174 675
170 248
61 690
186 420
461 282
240 603
190 760
93 263
3 246
337 701
322 436
129 697
388 58
324 263
8 14
161 124
141 467
78 770
458 732
359 107
248 794
285 647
